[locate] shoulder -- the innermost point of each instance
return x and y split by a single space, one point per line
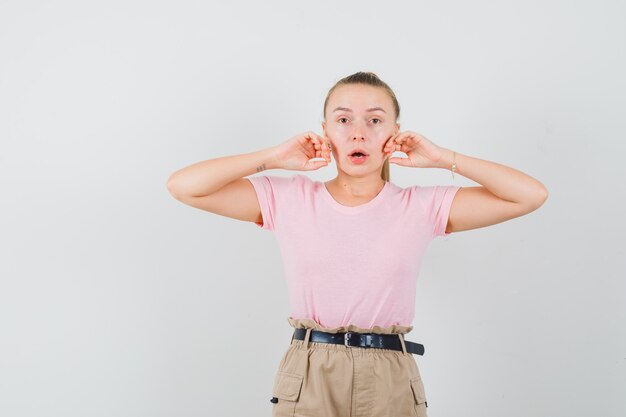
277 184
428 191
431 196
273 180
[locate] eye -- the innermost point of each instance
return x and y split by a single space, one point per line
342 118
378 120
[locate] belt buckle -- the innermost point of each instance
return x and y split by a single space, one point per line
368 339
346 336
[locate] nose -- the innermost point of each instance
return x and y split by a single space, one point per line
357 133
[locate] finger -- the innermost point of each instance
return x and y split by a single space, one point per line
324 151
394 143
389 148
390 145
406 137
310 140
320 146
314 140
313 165
326 147
409 142
406 162
312 137
309 146
400 138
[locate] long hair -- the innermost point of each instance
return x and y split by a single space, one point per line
368 78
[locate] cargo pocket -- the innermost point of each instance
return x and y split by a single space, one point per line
286 393
420 396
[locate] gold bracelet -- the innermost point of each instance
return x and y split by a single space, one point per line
453 168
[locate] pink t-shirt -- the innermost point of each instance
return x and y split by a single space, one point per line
352 265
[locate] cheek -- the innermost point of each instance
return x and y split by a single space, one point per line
382 138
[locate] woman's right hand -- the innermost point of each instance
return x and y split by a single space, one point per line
295 153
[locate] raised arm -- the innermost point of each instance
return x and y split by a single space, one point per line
218 185
505 193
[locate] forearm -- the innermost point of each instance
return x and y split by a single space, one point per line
206 177
503 181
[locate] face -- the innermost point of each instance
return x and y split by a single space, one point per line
359 116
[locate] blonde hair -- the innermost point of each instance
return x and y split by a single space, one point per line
368 78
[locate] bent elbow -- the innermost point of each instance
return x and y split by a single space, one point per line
540 194
172 188
538 201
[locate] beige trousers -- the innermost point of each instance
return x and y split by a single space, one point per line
316 379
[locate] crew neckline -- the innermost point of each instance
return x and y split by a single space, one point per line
353 209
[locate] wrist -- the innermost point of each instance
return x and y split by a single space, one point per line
269 158
446 159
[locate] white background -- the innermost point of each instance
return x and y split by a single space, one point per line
117 300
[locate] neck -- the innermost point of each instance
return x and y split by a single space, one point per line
358 187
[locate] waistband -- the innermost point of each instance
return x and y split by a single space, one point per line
306 323
358 340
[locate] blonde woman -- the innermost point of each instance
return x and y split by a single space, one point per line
352 246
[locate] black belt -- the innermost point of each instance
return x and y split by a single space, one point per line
355 339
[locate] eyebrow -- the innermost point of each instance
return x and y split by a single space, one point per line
349 110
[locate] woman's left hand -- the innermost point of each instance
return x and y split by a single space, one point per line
421 152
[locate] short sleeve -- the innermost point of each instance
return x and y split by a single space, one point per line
269 189
438 201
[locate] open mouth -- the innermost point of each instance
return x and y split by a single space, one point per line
358 156
358 153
